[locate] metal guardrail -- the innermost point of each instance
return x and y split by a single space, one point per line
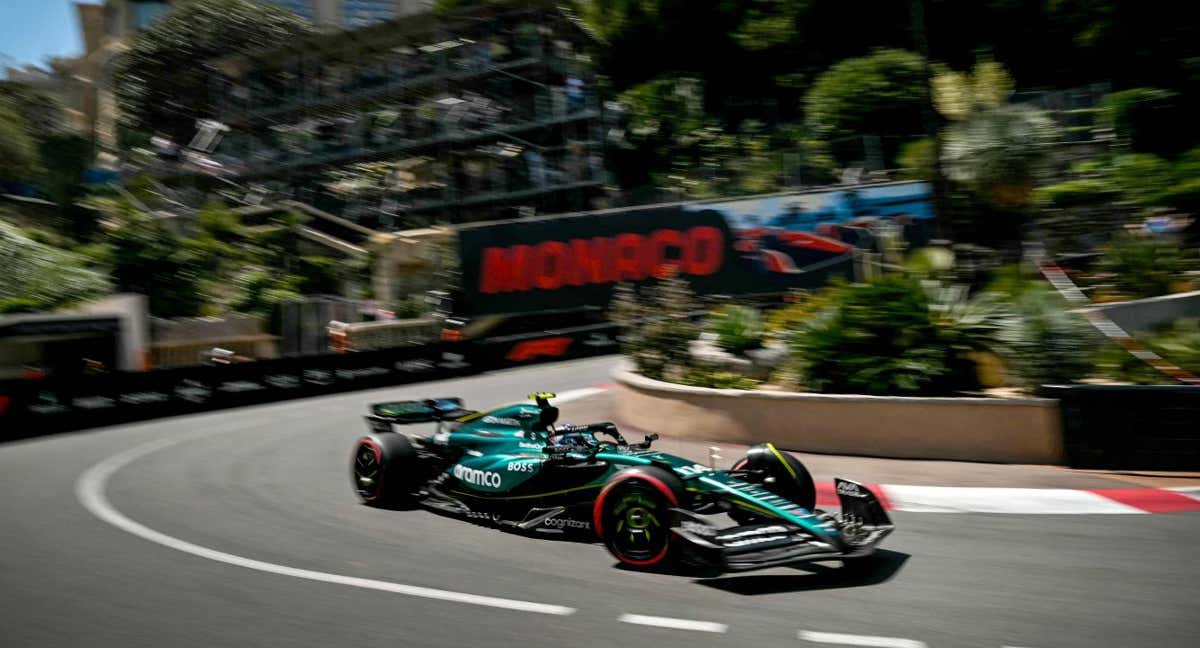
68 402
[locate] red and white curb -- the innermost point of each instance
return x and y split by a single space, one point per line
1024 501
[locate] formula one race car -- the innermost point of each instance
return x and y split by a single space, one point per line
514 469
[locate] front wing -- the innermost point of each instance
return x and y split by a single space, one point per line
855 532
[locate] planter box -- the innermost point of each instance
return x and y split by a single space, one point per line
964 429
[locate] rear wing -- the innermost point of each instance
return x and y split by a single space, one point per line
419 411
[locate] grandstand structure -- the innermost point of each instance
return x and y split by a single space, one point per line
427 119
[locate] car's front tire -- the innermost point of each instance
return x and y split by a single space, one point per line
384 470
779 472
632 516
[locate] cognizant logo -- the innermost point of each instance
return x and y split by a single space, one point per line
477 477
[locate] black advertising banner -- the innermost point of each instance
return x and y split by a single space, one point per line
735 247
32 407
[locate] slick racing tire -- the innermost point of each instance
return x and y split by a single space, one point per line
384 470
780 473
632 516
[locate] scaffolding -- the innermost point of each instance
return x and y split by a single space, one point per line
424 120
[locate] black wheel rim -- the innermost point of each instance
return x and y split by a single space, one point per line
638 524
366 471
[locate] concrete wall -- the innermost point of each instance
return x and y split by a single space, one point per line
965 429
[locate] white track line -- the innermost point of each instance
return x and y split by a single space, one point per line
90 490
673 624
859 640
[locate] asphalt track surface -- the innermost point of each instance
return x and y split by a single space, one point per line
269 485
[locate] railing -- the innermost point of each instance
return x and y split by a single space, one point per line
387 334
303 159
167 355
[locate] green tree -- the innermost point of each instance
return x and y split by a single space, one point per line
42 113
878 94
162 83
143 256
40 277
18 151
66 159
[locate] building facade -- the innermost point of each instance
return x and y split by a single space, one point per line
351 14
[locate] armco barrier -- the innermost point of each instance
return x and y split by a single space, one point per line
1146 427
54 404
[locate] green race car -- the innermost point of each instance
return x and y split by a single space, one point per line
515 469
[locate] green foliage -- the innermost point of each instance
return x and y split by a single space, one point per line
160 82
658 328
998 153
717 379
878 94
883 338
1012 281
1178 343
42 277
1081 192
260 292
42 113
918 159
18 150
679 146
1046 344
143 256
19 305
739 328
1144 266
1142 177
1183 197
66 159
411 307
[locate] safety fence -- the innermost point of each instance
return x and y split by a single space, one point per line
34 407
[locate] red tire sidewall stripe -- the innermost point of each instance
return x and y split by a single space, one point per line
369 442
597 510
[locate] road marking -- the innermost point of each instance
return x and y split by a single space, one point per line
674 624
90 487
1150 500
1024 501
859 640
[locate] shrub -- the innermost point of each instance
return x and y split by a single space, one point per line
1143 266
1047 344
657 326
878 339
1077 193
739 328
878 94
918 159
717 379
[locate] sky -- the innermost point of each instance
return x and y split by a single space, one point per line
33 30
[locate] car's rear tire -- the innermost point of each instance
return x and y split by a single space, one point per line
632 517
780 473
384 470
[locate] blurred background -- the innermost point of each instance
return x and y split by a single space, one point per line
217 181
950 248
